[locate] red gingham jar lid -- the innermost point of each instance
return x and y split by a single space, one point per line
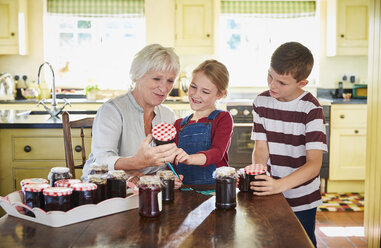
164 132
255 169
35 187
83 186
66 182
33 181
57 191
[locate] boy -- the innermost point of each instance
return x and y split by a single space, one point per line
289 134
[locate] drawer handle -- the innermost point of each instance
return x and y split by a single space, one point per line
78 148
342 116
356 131
27 148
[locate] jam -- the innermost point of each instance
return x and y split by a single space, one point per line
255 170
57 198
83 193
98 169
163 133
116 184
100 181
58 173
243 183
66 182
149 189
226 180
33 196
168 185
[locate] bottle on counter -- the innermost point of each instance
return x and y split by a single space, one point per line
226 179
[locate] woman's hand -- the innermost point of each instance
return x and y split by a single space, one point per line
179 182
269 186
155 156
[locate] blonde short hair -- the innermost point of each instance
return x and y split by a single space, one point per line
154 57
216 72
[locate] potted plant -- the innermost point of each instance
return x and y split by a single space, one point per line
92 91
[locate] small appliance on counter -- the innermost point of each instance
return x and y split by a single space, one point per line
360 91
6 86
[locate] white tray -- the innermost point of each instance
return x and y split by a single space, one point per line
13 205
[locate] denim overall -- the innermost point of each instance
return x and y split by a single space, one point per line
193 138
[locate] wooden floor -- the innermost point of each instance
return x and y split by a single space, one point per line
337 229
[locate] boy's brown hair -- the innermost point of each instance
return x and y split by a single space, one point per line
216 72
293 58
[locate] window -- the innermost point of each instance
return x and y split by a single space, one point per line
247 42
92 48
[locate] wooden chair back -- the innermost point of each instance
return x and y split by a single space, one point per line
67 125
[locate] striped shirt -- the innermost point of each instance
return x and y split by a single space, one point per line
290 129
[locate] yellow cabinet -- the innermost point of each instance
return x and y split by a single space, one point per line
13 28
194 26
347 148
347 27
27 153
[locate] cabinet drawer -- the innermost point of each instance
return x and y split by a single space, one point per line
349 117
45 148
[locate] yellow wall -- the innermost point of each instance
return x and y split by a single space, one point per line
160 29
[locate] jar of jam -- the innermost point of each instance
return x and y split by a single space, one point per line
66 182
167 178
98 169
226 180
57 198
33 196
149 189
32 181
83 193
101 181
255 170
116 184
163 133
243 182
58 173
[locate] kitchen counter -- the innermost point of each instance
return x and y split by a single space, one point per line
190 221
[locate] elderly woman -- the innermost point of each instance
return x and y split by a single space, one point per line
122 127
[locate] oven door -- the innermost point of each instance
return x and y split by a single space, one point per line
241 147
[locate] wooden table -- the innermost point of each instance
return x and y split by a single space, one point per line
190 221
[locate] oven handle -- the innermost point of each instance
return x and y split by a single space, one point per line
243 125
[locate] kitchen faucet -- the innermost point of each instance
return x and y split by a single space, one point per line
53 111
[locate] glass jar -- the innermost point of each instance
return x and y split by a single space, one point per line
226 180
57 198
149 203
98 169
83 193
116 184
66 182
32 181
167 178
33 196
58 173
101 181
243 182
255 170
163 133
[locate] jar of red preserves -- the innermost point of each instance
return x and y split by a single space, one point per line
243 183
57 198
98 169
116 184
254 170
33 196
83 193
66 182
167 178
101 181
226 179
33 181
58 173
149 202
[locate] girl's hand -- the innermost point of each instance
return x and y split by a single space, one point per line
182 157
269 186
179 182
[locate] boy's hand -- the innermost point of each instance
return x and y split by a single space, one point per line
270 186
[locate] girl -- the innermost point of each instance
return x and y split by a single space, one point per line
204 136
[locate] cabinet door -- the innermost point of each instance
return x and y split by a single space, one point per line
8 22
194 26
20 174
347 154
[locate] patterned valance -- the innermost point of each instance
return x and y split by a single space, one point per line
94 8
271 9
